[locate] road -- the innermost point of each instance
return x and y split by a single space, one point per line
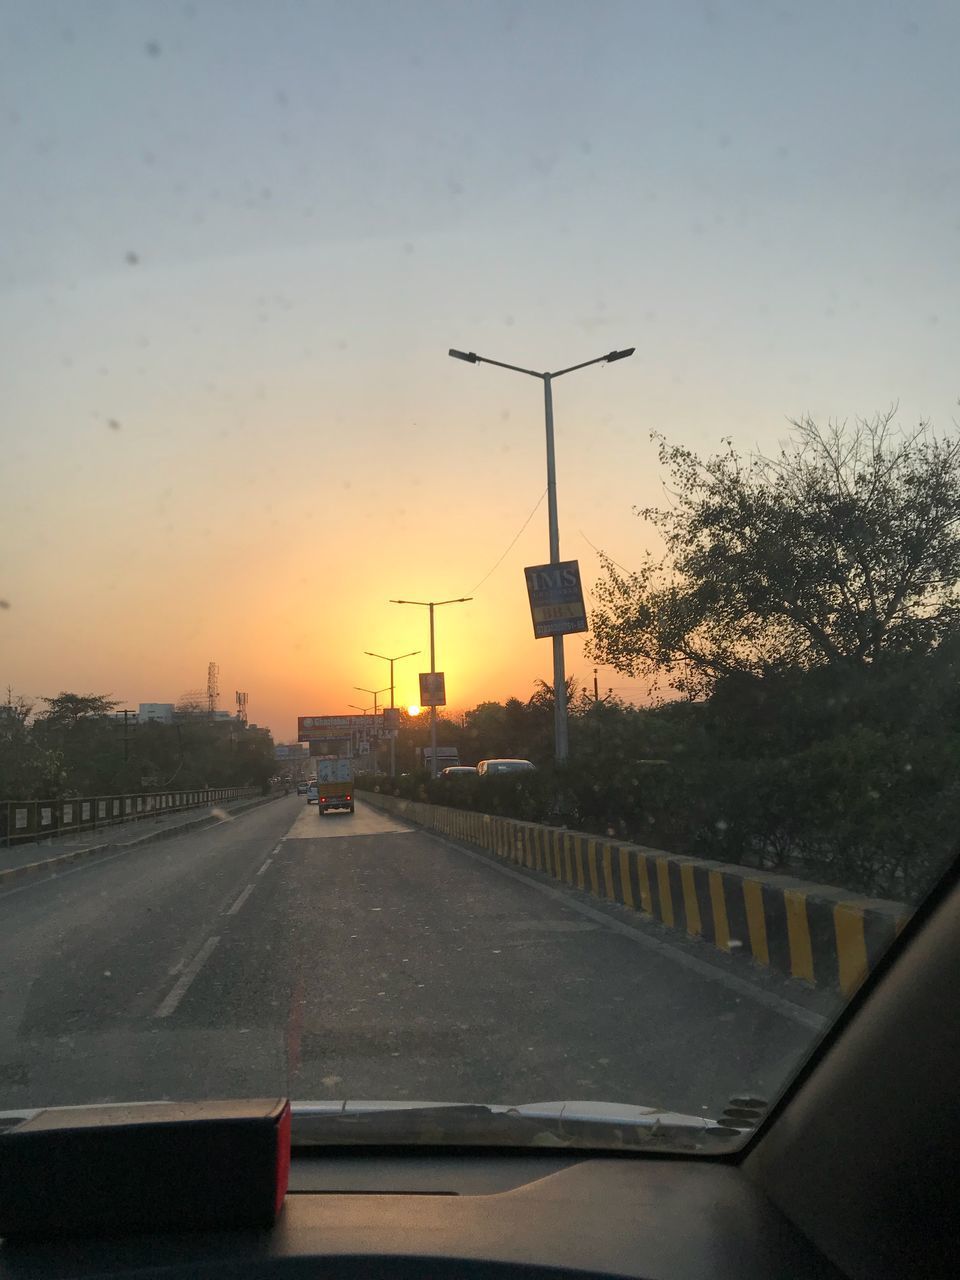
353 956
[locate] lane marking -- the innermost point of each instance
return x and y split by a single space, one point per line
169 1004
274 852
241 900
796 1012
264 867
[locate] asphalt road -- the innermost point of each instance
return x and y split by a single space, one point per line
351 956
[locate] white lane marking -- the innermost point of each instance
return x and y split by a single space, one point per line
264 867
241 900
274 852
169 1004
796 1012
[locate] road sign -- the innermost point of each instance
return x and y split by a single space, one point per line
556 598
432 689
391 717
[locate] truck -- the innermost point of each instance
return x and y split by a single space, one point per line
446 756
334 783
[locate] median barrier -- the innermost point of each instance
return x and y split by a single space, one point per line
62 861
826 937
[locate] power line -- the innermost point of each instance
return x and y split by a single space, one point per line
511 546
603 553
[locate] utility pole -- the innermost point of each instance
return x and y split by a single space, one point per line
596 687
126 743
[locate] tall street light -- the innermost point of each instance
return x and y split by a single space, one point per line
353 706
561 742
376 694
393 742
431 605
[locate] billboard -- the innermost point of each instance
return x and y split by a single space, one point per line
556 598
391 717
432 689
310 727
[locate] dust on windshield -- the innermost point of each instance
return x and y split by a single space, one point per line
582 378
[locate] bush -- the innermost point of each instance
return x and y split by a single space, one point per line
841 775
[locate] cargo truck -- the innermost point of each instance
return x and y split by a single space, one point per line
334 783
446 757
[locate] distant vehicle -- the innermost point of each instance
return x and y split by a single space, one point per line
494 768
459 771
302 788
447 757
313 793
335 784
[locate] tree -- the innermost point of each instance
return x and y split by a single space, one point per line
843 548
70 708
27 770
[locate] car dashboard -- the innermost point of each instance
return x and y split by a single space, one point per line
458 1214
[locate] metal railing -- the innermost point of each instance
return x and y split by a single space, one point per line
22 821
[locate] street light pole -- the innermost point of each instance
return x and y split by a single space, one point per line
560 730
560 735
431 605
376 693
393 741
353 706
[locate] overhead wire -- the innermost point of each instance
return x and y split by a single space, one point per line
512 544
603 553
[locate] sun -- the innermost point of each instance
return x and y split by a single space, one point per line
414 710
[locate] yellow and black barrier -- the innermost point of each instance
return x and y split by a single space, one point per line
823 936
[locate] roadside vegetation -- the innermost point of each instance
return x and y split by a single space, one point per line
75 745
800 630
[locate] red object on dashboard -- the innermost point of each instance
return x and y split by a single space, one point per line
283 1159
178 1166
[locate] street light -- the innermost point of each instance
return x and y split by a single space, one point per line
431 605
561 743
393 742
376 694
353 707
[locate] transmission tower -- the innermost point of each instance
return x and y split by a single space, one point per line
213 688
241 707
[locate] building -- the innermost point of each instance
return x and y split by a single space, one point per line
161 712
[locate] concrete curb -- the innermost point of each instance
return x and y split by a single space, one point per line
50 866
826 937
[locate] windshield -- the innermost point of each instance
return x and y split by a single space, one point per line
582 376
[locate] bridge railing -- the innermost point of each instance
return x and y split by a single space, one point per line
23 821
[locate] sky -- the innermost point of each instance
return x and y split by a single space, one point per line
238 240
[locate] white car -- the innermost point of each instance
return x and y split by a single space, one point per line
494 768
313 794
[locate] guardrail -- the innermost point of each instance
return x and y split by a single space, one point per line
23 821
826 937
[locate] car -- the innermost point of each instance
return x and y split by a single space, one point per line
494 768
313 793
459 771
302 788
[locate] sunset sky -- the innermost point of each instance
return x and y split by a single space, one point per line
239 238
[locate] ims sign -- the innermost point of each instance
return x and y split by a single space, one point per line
556 598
